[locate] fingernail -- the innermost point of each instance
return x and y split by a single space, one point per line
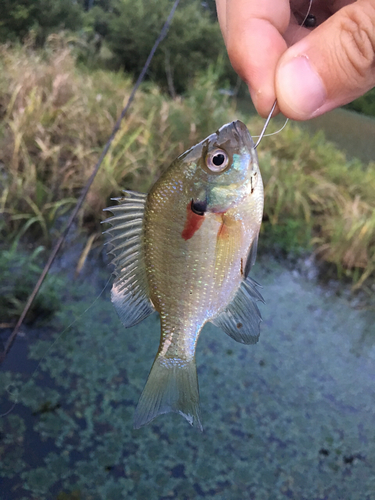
301 87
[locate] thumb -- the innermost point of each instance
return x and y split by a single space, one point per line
331 66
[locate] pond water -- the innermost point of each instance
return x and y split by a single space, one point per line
289 418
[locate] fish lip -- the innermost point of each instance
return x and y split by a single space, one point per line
235 128
242 132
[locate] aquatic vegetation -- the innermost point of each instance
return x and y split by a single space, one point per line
273 409
19 271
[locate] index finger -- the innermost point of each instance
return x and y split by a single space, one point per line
252 31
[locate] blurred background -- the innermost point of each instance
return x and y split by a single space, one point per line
291 417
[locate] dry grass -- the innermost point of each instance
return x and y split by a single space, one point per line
56 117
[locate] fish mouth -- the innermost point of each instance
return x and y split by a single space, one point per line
235 127
243 133
236 133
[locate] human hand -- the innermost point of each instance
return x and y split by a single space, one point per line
310 70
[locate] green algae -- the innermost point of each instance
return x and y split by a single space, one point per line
291 417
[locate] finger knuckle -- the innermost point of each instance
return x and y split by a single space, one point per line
358 41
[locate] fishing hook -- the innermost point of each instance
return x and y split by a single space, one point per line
266 124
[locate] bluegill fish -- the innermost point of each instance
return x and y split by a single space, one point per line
185 249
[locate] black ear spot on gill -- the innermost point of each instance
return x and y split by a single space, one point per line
199 207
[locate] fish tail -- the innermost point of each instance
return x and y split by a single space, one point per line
172 386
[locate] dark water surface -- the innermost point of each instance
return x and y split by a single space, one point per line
289 418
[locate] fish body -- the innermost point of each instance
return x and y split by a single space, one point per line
185 250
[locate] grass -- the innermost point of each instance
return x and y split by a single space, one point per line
310 185
56 117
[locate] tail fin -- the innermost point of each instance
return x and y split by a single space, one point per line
171 386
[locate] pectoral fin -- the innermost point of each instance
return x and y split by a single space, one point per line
130 294
252 256
241 319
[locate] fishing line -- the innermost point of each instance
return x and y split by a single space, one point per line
85 190
273 133
307 15
59 336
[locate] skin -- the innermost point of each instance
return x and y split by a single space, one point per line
308 70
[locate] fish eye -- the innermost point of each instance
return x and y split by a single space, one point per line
217 160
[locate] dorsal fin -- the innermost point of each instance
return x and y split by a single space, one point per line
130 294
241 318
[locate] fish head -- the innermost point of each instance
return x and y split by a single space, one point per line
223 169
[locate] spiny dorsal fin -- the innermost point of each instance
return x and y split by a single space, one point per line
130 294
241 318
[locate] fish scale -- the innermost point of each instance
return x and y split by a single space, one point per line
186 250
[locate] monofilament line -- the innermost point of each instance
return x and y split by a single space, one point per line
85 190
